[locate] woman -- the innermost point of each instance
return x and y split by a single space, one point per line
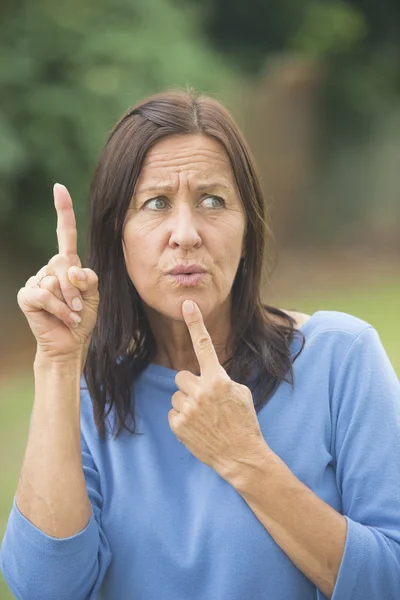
243 483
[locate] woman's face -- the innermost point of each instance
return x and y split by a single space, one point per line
185 210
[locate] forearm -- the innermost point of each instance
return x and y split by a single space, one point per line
308 530
51 490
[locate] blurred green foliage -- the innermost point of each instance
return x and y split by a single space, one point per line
357 41
67 73
332 28
69 70
355 45
252 30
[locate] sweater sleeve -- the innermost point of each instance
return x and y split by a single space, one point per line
37 566
366 446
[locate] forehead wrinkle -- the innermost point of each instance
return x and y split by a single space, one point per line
199 153
199 186
198 180
180 165
162 169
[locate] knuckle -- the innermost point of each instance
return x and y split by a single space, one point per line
21 295
44 295
203 341
92 277
201 402
201 397
64 312
50 283
223 383
196 322
64 258
31 281
67 287
188 409
172 420
179 378
54 261
58 260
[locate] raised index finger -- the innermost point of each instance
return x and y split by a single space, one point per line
201 339
66 224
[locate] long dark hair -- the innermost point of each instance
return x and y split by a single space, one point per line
122 343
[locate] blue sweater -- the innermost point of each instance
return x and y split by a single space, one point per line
165 526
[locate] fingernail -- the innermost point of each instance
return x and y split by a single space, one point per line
75 318
77 304
188 306
79 274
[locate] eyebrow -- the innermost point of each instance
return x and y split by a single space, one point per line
201 186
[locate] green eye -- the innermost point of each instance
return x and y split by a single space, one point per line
161 203
157 200
221 202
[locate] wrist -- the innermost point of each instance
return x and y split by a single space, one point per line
66 364
243 470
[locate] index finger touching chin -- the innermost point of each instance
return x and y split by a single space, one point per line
201 339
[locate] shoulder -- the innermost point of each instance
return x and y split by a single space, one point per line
349 351
330 320
333 320
332 335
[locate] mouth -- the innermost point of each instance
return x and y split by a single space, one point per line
187 270
189 279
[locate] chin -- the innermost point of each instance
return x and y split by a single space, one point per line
172 308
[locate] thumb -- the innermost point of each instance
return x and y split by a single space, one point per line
85 280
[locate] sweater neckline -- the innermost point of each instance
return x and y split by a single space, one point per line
166 373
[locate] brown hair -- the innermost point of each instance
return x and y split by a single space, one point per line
122 343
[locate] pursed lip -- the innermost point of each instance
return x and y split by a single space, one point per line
185 269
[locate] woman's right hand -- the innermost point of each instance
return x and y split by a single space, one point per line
62 309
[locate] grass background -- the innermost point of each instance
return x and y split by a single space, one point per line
378 304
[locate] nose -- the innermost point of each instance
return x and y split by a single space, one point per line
183 227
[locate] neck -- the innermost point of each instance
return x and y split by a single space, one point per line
174 344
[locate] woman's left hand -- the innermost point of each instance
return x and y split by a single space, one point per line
213 416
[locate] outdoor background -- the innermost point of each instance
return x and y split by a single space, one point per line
315 86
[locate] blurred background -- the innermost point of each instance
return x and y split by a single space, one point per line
314 85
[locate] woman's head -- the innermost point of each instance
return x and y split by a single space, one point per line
175 184
185 210
181 140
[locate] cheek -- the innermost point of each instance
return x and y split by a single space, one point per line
141 253
135 249
229 242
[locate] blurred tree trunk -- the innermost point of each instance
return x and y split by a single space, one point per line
281 121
